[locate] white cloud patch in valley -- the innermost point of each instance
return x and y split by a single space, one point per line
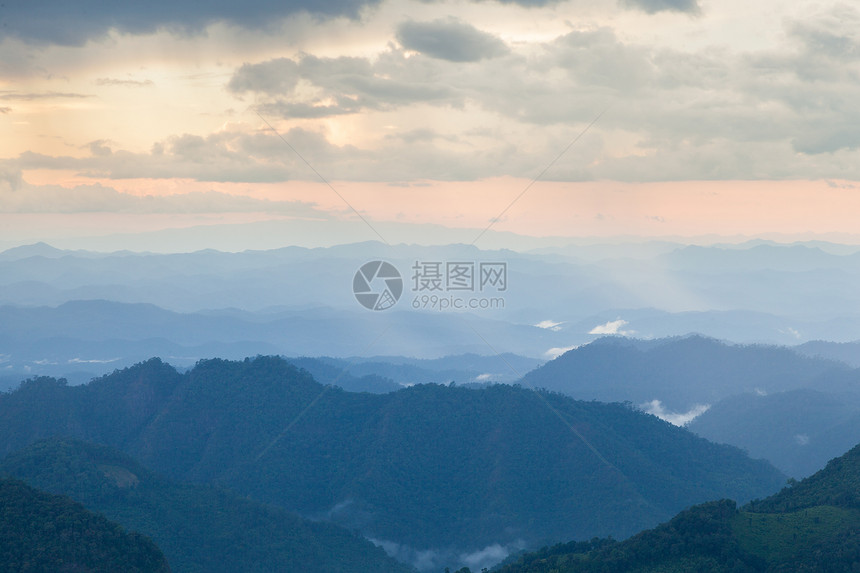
427 560
613 327
485 558
558 351
656 408
549 325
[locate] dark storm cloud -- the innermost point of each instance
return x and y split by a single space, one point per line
654 6
450 39
73 23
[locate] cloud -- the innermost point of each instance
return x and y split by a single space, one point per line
612 327
337 86
828 139
273 77
792 331
11 179
450 39
73 24
833 33
553 353
486 557
654 6
530 3
301 110
426 560
27 198
99 147
801 439
781 112
55 22
235 155
420 135
550 325
684 114
655 408
229 156
126 83
25 96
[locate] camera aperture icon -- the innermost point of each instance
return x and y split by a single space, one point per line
377 285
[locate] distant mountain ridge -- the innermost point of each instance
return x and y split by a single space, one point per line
679 371
848 352
746 293
439 469
797 430
80 340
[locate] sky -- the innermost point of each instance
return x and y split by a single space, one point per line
570 119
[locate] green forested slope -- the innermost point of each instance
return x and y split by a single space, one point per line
200 529
811 526
429 466
41 532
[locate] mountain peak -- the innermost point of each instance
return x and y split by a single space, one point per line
35 250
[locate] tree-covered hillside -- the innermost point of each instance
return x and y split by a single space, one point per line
797 431
810 526
441 467
680 372
44 532
200 529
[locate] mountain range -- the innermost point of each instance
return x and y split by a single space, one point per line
680 372
777 403
434 474
211 303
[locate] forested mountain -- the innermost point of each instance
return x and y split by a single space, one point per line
44 532
797 431
200 529
848 352
444 470
387 373
680 372
810 526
